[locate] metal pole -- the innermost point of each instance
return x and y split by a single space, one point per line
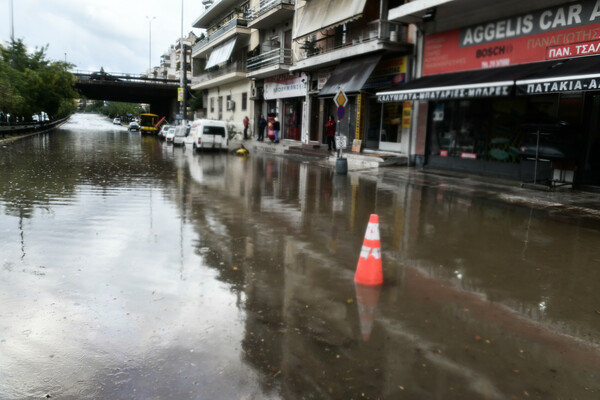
150 43
182 60
12 33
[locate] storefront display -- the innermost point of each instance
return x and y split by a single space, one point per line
498 94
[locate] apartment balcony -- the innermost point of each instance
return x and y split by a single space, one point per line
376 36
234 28
269 13
230 72
217 8
270 63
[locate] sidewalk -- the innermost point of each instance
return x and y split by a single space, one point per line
356 161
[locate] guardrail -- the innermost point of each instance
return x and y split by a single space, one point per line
380 30
120 77
235 66
269 58
234 23
264 7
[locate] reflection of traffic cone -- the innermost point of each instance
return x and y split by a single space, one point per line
368 270
367 297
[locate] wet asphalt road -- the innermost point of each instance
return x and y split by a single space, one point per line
130 269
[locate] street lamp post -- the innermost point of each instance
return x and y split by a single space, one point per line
150 43
182 68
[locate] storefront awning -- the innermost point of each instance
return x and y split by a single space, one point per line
569 75
319 15
220 54
350 76
491 82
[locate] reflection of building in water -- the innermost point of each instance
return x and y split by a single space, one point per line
456 291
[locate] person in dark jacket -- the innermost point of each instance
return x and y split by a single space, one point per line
262 124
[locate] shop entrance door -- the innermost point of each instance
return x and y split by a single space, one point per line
589 169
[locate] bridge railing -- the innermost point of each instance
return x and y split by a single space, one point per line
116 77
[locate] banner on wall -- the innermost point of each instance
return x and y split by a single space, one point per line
284 86
571 30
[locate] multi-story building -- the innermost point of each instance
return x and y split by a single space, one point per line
219 62
269 63
506 88
346 51
292 57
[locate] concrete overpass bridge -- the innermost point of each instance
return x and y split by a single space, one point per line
160 93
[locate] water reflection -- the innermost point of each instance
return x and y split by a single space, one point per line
136 269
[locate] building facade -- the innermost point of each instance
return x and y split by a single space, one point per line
294 57
219 62
508 88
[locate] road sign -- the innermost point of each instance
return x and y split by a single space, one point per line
340 99
179 116
341 111
340 142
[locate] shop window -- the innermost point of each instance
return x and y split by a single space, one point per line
292 118
487 129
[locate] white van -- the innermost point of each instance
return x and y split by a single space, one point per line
209 134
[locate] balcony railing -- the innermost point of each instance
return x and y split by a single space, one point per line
234 66
269 58
263 7
234 23
378 30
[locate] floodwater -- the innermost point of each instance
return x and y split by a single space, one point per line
130 269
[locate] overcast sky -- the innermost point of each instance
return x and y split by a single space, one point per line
113 34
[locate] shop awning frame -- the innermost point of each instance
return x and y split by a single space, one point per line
568 75
350 75
556 76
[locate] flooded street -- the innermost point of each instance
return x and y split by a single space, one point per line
130 269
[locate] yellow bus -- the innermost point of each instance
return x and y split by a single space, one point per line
149 124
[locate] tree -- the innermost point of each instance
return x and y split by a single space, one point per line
29 83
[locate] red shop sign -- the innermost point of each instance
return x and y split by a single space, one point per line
565 31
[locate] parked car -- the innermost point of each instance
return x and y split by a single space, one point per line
209 134
163 131
170 134
180 134
117 121
133 126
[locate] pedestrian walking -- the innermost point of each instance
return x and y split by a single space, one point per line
330 130
262 124
246 122
276 127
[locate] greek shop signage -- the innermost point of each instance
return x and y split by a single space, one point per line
568 30
284 86
441 94
567 85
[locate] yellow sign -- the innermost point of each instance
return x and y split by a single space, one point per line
179 94
406 114
340 98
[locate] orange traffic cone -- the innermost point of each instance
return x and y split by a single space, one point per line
367 297
368 270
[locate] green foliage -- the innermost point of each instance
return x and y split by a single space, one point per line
195 100
29 83
114 108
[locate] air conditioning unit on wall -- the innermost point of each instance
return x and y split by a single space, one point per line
230 105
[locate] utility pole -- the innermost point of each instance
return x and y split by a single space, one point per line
182 75
12 32
149 43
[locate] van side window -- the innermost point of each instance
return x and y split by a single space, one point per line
214 130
